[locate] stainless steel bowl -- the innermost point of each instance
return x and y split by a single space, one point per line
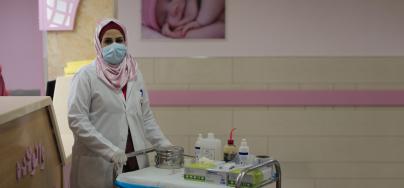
171 157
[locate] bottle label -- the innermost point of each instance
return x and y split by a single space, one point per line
198 152
229 156
208 153
243 156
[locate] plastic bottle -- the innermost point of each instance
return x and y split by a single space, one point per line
198 145
211 148
243 152
229 150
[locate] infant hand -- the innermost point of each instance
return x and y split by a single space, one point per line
191 25
166 30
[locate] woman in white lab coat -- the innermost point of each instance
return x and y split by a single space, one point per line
109 112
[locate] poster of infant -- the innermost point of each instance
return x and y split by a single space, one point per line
183 19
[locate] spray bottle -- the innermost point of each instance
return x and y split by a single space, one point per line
230 150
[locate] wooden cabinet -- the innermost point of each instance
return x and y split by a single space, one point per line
31 151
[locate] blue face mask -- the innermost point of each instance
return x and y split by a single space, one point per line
114 53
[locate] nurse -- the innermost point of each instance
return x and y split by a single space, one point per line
109 112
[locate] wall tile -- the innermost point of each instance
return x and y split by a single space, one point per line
380 86
316 86
320 121
344 86
173 121
187 70
251 70
217 120
343 170
228 86
180 140
168 86
146 65
359 183
337 149
283 86
297 183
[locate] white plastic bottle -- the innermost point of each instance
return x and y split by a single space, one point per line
211 148
243 152
198 145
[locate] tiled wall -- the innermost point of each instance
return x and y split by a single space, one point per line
319 147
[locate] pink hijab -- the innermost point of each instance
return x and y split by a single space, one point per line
115 76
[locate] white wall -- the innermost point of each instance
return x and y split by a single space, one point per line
286 28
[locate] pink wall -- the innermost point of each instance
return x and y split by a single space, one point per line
21 45
286 28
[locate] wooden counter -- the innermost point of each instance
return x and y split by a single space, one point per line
31 151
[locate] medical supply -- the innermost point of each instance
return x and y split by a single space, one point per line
262 159
220 174
252 178
229 150
170 157
197 147
198 171
217 176
211 147
243 152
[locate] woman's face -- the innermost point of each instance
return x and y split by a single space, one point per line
111 36
170 11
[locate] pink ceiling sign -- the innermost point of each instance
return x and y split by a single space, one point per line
57 14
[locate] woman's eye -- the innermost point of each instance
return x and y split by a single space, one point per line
108 41
119 40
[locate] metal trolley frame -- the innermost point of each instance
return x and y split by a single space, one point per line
276 179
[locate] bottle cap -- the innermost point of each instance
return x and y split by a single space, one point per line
230 141
243 142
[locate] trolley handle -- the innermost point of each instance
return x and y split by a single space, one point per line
266 182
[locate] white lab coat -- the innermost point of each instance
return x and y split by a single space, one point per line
99 118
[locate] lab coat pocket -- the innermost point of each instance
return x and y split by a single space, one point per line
91 172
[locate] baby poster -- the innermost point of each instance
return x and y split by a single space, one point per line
183 19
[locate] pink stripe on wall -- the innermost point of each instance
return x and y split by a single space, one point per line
277 98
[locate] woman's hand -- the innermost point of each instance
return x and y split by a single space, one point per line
119 157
